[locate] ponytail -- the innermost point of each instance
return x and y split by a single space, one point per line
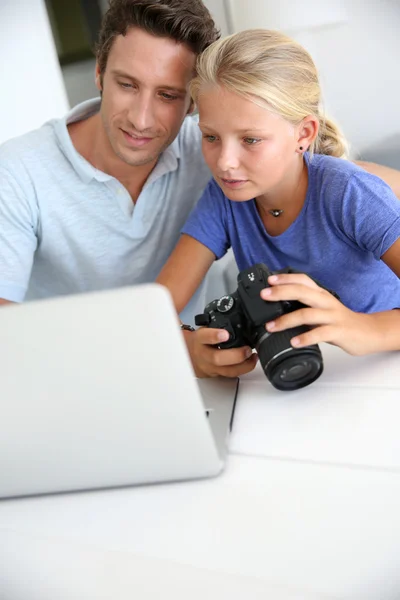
330 140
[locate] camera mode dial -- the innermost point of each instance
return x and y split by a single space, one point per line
225 304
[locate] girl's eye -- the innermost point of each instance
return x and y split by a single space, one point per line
251 141
210 138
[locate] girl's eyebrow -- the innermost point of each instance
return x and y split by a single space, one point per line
252 129
242 131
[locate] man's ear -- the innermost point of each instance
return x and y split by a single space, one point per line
191 108
98 78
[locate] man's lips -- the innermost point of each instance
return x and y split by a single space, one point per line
136 140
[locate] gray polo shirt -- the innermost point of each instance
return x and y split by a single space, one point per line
66 227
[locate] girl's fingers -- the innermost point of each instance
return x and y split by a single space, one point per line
303 316
292 278
315 297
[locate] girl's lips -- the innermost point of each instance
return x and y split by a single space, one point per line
233 183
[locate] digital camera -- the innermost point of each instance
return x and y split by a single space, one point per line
244 314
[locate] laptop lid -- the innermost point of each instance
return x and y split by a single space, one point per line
98 391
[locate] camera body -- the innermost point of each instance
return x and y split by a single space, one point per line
244 314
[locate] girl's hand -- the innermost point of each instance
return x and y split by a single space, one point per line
210 361
357 333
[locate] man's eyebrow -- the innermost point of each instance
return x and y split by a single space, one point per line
122 74
171 88
119 73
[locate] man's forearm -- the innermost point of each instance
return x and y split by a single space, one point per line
3 302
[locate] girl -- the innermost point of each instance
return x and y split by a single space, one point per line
283 195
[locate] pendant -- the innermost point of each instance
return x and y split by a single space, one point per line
276 212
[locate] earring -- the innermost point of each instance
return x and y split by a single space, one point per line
300 147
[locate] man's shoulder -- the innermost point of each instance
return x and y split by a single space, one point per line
191 173
28 149
189 137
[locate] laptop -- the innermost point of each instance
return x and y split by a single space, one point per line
98 391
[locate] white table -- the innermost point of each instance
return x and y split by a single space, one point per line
308 508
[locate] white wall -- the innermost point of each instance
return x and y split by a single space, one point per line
357 60
218 11
32 87
79 79
359 65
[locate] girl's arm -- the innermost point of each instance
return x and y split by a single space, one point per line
185 270
182 274
357 333
392 258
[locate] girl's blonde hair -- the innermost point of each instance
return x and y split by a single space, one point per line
275 72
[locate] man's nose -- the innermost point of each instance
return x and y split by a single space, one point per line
141 113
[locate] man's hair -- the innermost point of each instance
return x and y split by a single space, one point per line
185 21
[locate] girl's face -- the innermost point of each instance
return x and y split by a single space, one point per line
250 151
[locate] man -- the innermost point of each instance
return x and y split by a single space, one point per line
97 200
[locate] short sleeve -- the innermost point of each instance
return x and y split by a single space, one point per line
370 213
207 222
18 241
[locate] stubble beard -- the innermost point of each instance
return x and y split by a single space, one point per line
139 161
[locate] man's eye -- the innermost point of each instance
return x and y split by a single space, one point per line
251 141
168 96
210 138
124 85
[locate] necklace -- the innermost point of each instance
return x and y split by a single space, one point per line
276 212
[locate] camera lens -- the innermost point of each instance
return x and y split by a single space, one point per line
297 371
289 368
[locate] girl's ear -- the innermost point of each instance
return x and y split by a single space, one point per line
307 132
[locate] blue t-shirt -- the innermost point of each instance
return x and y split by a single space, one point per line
349 219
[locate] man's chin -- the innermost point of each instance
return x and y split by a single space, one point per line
138 159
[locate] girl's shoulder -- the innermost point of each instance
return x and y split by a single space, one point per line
340 169
333 178
331 167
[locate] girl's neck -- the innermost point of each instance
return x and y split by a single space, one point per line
289 199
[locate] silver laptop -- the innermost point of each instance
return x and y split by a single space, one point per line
97 390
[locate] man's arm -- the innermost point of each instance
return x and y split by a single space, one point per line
3 302
18 226
390 176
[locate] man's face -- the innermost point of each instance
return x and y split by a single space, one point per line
145 94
